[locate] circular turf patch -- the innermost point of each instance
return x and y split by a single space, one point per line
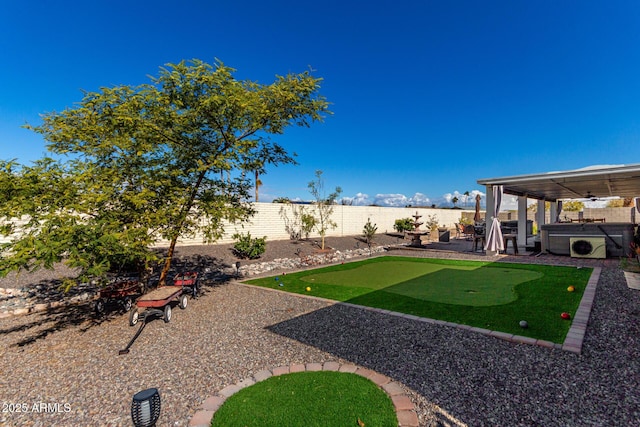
305 399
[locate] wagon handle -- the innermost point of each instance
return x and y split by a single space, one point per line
126 349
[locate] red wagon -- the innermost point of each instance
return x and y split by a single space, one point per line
122 292
188 280
158 302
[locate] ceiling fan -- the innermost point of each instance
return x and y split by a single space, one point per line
591 197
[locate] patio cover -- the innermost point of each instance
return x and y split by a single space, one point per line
590 182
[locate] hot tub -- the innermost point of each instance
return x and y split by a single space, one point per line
561 238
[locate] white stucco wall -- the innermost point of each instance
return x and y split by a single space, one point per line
350 220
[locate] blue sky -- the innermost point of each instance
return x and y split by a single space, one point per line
428 96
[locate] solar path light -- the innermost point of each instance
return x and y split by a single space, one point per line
145 408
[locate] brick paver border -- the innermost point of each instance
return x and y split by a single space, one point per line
405 409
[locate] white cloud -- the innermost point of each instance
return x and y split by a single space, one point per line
360 199
391 200
400 200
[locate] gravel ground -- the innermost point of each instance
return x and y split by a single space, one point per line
69 360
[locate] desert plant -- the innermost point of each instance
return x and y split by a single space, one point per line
402 225
465 221
324 206
369 233
247 247
281 200
432 223
307 222
291 213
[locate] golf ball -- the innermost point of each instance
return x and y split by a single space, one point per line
524 324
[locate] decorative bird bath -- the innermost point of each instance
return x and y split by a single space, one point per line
416 234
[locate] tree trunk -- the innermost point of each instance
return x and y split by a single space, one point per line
257 185
167 262
182 217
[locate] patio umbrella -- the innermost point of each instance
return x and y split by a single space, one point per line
494 237
476 217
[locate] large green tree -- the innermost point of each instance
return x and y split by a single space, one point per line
135 165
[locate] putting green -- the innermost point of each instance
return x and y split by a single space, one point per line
449 284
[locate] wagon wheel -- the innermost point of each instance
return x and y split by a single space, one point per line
167 314
184 301
127 304
134 316
99 306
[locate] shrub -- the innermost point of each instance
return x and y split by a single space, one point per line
432 223
404 224
297 221
465 221
308 221
369 231
246 247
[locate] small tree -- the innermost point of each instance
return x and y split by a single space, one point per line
402 225
369 233
324 205
297 221
308 222
454 201
432 224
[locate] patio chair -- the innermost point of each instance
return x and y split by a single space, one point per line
469 231
479 238
459 231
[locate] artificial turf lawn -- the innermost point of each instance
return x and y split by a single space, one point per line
307 399
495 296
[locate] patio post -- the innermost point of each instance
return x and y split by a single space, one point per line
540 214
522 220
553 212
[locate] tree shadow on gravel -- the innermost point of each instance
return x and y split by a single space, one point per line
36 326
29 328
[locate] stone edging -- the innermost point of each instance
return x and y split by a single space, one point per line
405 409
633 279
578 329
31 308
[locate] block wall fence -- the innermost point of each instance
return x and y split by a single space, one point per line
270 220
